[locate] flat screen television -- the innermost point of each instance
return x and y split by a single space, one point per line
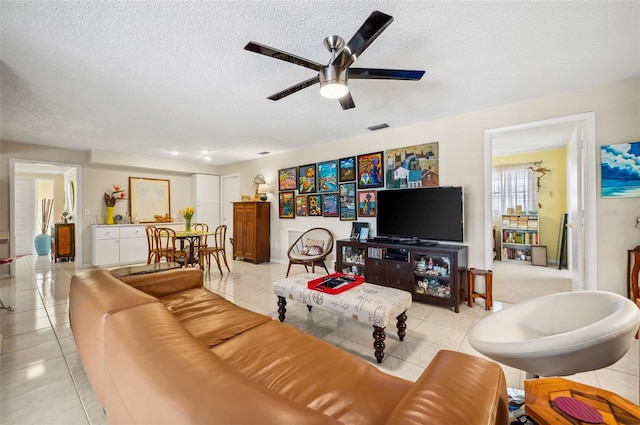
426 214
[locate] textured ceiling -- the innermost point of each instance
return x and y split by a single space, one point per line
150 77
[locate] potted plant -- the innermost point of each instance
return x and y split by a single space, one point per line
42 241
110 200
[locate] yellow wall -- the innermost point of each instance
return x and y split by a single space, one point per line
552 195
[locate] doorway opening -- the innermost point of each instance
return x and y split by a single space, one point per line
579 136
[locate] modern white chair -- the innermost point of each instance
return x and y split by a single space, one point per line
559 334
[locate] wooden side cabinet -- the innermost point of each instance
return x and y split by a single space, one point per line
251 231
63 243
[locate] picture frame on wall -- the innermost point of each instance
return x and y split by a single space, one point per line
412 166
287 179
301 206
347 169
328 176
347 201
367 203
286 204
330 205
370 170
307 178
620 170
314 205
149 198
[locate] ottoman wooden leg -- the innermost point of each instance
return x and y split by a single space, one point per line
282 304
402 325
378 342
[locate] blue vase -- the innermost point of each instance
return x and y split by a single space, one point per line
42 243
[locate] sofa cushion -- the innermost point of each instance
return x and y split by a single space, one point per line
314 373
209 317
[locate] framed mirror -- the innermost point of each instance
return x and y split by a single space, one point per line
71 197
257 181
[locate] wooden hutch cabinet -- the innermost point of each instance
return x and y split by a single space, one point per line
432 274
251 231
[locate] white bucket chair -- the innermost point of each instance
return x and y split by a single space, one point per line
559 334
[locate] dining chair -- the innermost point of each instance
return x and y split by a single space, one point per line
218 249
202 242
152 245
166 244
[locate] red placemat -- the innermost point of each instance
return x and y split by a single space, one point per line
578 409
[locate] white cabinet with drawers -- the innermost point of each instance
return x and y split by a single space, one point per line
114 245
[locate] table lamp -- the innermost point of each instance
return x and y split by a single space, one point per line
263 189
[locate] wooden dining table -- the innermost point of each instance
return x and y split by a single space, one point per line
193 238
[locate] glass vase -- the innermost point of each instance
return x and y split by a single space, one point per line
187 224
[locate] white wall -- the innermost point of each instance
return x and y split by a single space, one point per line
461 144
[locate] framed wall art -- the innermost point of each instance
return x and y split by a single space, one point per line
347 169
367 203
412 166
620 170
287 179
328 176
307 178
149 198
370 174
314 205
330 205
301 206
286 205
347 201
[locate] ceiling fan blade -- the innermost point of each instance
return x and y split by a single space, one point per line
346 101
295 88
369 31
383 74
279 54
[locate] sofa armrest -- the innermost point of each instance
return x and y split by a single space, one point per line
167 282
455 388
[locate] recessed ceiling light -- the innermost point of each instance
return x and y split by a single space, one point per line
207 158
204 151
173 152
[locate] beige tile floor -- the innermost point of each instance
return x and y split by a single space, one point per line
42 380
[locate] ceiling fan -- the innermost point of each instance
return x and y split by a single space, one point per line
333 77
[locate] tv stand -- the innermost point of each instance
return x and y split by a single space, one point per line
432 273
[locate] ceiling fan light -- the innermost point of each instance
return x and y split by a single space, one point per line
334 90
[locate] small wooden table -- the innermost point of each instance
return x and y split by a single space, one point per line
372 304
539 394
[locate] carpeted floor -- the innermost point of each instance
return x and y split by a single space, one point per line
515 282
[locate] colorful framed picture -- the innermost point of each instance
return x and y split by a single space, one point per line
330 205
367 203
620 170
412 166
314 205
347 169
328 176
347 201
287 179
301 206
370 173
307 178
286 205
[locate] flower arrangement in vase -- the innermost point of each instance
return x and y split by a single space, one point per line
110 199
187 213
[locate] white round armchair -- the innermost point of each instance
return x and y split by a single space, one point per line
559 334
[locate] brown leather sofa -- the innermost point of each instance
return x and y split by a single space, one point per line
160 348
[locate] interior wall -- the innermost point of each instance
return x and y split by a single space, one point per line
552 195
461 144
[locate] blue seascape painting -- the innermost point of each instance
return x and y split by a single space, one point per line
620 170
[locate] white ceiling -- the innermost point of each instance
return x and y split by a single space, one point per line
152 76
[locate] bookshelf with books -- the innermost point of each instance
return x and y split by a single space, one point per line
519 233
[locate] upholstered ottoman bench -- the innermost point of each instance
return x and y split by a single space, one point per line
372 304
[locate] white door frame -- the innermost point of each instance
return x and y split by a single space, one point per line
225 198
583 279
12 199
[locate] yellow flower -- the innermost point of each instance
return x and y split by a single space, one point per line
187 213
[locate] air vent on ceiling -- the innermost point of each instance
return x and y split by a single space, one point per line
264 153
378 127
